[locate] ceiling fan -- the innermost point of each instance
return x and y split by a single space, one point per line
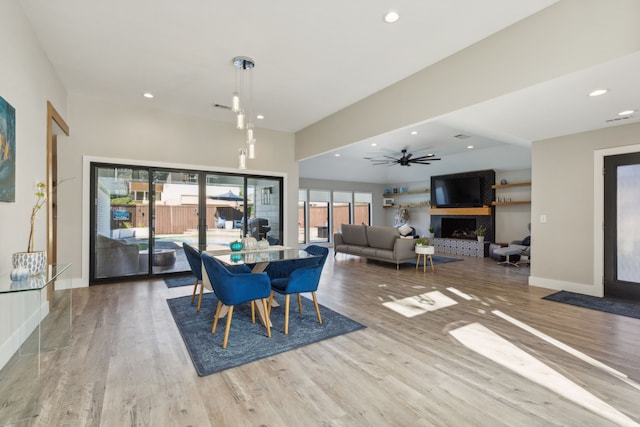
405 160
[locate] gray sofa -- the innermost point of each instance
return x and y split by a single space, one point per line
375 242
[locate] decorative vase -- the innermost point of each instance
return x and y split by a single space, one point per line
35 262
18 274
263 244
249 243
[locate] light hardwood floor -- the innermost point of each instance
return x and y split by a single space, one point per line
127 364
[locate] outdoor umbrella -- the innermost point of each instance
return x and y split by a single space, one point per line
229 195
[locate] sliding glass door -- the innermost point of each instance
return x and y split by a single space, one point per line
141 217
120 223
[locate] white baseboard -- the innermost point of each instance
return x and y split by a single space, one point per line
561 285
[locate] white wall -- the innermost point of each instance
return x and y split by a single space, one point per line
27 81
512 221
563 249
111 131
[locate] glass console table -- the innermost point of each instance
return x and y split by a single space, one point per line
36 318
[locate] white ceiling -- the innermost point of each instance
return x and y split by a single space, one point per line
315 58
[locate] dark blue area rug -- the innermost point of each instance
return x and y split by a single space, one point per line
609 305
436 260
174 282
248 341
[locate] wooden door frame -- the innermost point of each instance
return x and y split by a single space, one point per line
53 117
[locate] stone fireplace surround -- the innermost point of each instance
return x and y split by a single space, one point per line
446 225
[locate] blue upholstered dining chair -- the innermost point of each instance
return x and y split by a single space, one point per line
302 279
193 257
318 250
236 288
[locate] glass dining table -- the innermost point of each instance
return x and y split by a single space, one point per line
259 259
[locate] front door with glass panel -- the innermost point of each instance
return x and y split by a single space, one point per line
622 226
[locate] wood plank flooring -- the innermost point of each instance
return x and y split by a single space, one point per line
127 364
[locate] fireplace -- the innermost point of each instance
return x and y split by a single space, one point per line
458 228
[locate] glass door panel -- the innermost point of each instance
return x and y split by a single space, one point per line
319 216
362 211
225 209
341 209
302 220
175 198
264 201
120 223
622 226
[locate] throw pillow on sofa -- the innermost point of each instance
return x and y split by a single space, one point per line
405 229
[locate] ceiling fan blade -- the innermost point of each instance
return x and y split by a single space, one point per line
392 158
422 158
408 156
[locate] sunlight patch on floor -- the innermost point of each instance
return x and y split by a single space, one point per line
419 304
459 293
564 347
490 345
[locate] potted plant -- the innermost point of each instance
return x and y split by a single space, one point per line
422 241
480 233
432 231
33 261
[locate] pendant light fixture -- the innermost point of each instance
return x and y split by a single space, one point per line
242 105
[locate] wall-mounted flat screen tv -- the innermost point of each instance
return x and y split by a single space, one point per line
457 191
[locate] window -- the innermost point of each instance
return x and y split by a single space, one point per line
341 209
362 210
319 215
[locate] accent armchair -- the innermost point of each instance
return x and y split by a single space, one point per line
236 288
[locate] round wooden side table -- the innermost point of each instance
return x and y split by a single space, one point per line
425 251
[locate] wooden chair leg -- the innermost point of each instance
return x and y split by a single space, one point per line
200 299
226 331
195 288
267 323
286 314
253 312
270 304
299 304
315 302
215 317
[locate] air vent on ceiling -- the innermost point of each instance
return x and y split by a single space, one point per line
461 136
617 119
224 107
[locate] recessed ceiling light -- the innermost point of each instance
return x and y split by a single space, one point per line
626 112
337 154
260 117
148 95
373 144
470 147
391 16
598 92
414 132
